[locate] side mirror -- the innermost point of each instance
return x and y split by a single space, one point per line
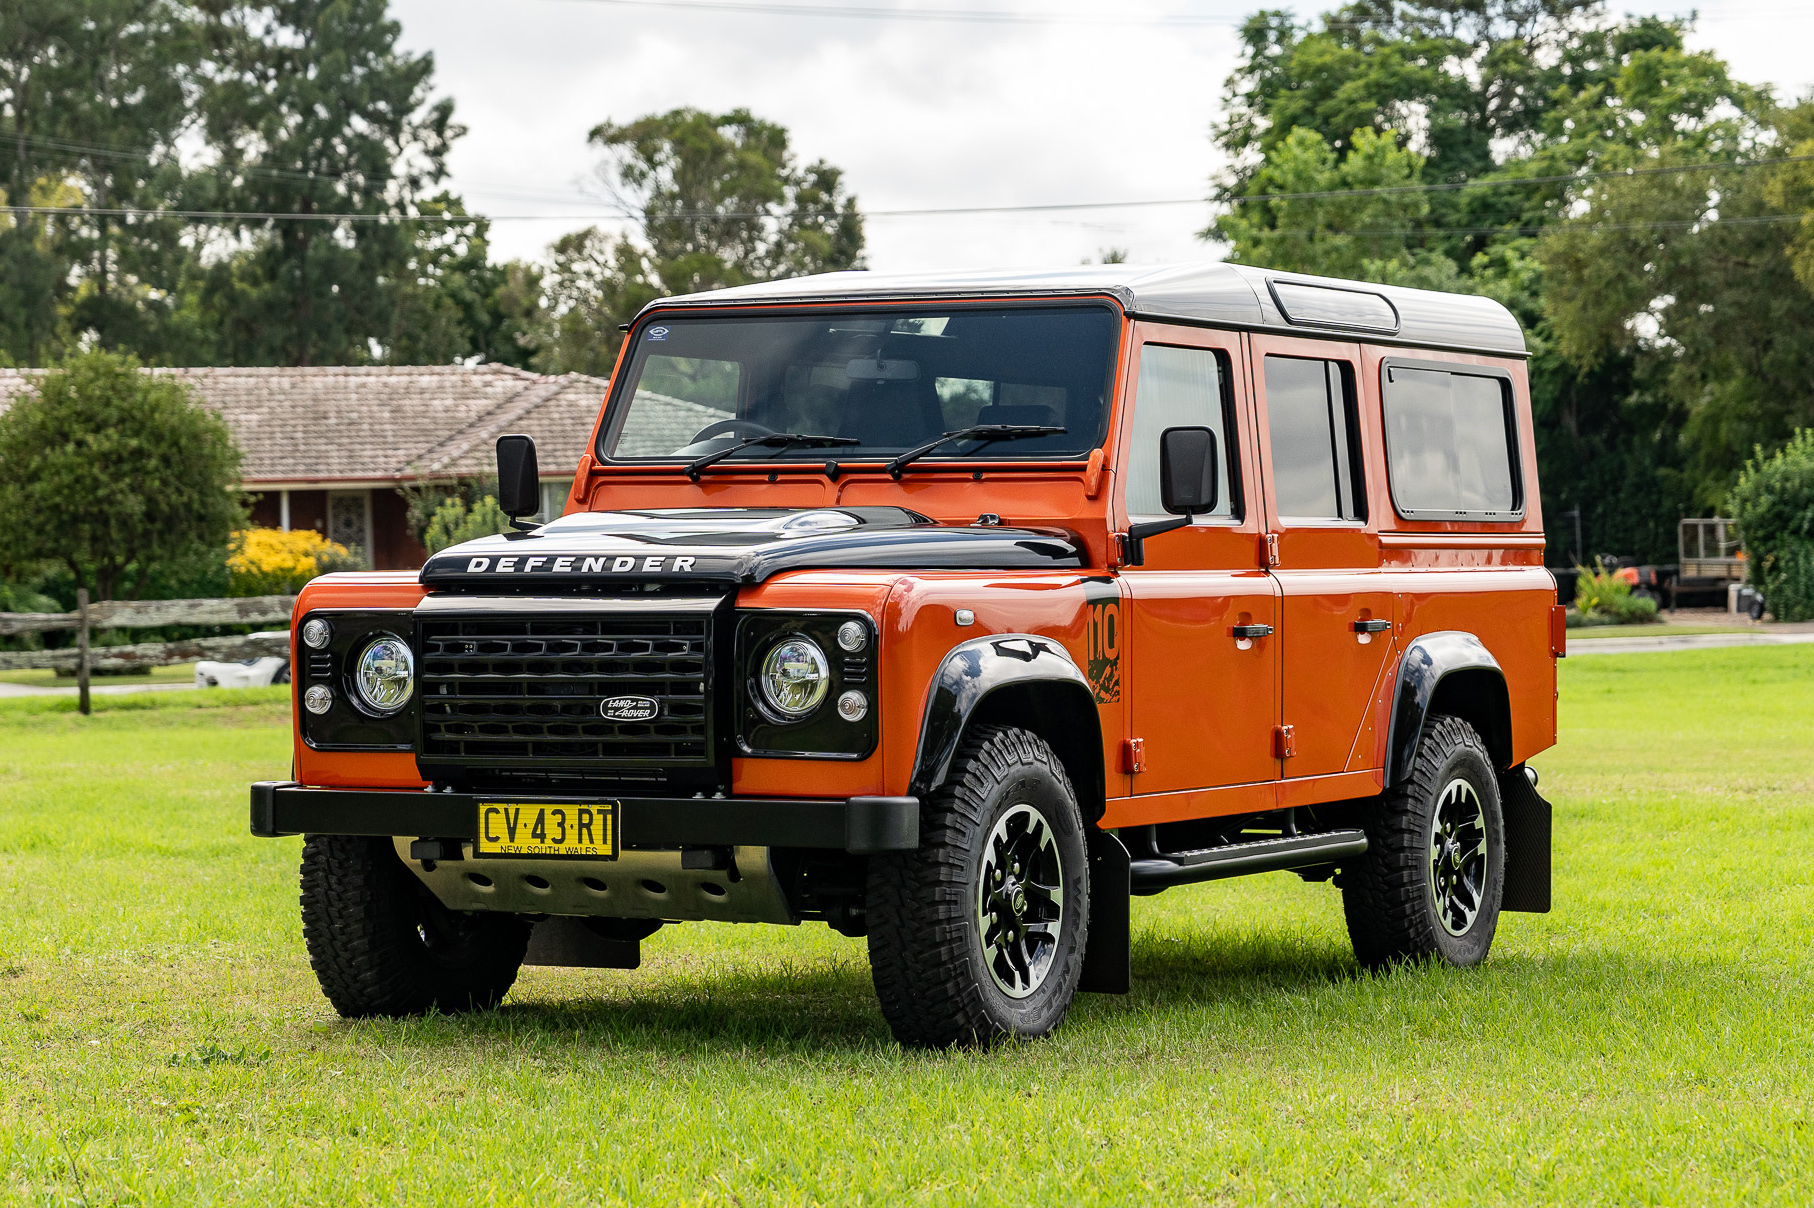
1187 470
519 485
1187 485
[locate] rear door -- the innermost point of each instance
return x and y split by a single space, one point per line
1204 680
1337 616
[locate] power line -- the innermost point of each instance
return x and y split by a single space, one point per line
922 212
977 16
771 8
1364 232
1729 165
1670 224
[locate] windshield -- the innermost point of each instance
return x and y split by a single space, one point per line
885 382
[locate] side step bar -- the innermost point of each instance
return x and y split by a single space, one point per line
1151 874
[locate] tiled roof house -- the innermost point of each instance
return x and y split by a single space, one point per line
329 448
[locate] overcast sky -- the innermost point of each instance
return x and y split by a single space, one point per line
919 114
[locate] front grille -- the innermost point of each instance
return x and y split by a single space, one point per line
511 689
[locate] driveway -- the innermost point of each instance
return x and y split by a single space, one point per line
97 689
1685 641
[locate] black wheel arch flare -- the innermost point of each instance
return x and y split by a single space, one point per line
1449 671
1018 679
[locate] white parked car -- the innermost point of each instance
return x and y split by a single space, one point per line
245 673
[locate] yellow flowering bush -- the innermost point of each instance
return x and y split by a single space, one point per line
271 562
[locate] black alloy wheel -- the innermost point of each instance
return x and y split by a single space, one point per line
1430 884
979 934
1020 901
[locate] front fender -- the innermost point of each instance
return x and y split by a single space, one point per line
969 674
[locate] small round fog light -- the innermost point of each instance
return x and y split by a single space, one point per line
315 633
318 699
852 636
853 706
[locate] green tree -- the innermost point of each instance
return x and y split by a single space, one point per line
95 97
1369 236
721 201
129 475
317 112
1469 109
593 282
1470 85
1688 273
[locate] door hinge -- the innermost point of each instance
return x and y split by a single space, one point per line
1269 550
1284 742
1133 755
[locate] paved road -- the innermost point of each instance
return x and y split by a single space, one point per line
97 689
1682 641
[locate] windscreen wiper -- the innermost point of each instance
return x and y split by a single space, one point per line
982 432
780 439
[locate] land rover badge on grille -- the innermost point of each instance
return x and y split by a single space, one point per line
629 708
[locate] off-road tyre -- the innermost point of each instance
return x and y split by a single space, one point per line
930 935
382 944
1389 895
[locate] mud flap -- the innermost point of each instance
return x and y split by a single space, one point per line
1527 844
1108 953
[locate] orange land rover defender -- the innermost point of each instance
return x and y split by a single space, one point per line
952 612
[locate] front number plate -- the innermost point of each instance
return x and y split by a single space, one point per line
586 831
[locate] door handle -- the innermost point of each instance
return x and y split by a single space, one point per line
1379 626
1252 631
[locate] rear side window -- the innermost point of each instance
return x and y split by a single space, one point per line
1180 388
1315 454
1450 443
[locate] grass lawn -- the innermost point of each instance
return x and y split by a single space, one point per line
1652 1041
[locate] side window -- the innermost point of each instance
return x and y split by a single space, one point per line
1449 444
1180 388
1315 450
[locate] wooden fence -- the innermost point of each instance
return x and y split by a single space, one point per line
84 657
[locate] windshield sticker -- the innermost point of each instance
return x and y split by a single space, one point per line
656 333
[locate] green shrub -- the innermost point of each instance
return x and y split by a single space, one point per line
1600 592
454 522
127 474
1773 503
1603 598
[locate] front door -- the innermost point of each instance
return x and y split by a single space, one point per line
1337 617
1204 653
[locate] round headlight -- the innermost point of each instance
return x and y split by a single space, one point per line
385 675
795 677
315 633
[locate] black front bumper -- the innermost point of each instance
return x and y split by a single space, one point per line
859 824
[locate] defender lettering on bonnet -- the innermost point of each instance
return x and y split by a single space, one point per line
566 564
